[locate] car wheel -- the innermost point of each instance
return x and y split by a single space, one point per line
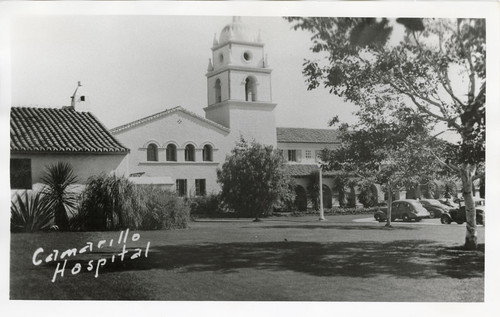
378 218
460 222
406 218
445 220
432 214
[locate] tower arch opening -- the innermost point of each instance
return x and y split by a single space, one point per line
250 89
218 89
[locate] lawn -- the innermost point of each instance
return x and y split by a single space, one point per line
279 259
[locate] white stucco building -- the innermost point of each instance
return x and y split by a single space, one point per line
185 149
40 137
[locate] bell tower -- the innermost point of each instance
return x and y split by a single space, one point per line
239 84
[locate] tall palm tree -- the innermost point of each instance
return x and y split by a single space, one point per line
58 178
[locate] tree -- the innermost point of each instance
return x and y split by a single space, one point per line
366 194
111 202
253 179
58 179
384 149
340 181
313 189
363 62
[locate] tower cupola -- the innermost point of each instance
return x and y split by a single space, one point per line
239 83
237 31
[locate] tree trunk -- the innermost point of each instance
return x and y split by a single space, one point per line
467 171
61 218
389 204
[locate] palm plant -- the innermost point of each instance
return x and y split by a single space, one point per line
30 212
58 178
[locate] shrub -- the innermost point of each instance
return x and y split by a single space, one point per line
30 212
288 199
209 205
163 209
110 203
367 196
313 189
340 211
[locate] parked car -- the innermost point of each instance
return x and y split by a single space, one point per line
406 209
458 214
434 207
449 202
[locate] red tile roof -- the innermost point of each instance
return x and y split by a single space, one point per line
304 170
59 130
304 135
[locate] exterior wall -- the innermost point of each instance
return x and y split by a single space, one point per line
254 121
180 129
233 55
301 151
251 120
84 165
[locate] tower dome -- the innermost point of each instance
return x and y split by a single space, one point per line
236 31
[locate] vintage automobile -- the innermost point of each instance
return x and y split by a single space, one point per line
458 214
406 209
434 207
450 202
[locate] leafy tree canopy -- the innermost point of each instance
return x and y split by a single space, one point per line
425 69
253 179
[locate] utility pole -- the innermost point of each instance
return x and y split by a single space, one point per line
321 211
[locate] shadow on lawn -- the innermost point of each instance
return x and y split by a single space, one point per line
417 259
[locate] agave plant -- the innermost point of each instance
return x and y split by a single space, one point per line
58 178
30 212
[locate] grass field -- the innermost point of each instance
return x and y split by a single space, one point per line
279 259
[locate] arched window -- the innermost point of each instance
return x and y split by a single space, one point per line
218 96
207 153
171 153
189 153
152 152
250 89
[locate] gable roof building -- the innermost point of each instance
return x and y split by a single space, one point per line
51 130
40 137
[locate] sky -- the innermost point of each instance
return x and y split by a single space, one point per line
134 66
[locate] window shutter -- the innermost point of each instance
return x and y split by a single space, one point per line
298 154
